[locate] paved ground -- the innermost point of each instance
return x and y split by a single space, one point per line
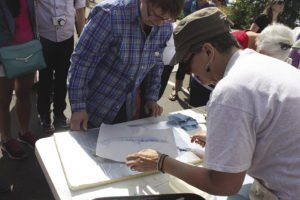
26 176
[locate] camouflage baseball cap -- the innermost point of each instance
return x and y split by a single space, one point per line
197 28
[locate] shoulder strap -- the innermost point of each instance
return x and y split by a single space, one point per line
35 18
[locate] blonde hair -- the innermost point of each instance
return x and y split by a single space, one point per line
276 41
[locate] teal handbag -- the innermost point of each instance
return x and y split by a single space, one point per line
25 58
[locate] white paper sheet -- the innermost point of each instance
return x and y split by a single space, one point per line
115 142
82 168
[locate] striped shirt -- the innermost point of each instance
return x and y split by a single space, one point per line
111 60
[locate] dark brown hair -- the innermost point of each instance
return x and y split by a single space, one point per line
174 7
269 11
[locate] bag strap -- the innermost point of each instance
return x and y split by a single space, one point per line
35 18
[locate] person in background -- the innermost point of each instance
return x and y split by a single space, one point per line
254 98
271 14
276 41
220 3
189 8
168 54
199 4
179 77
56 21
117 62
17 26
245 38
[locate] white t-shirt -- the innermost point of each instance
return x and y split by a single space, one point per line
253 122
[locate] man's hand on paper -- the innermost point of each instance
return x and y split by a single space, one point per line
79 121
144 160
199 138
152 108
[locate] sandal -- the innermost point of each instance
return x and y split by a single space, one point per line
173 96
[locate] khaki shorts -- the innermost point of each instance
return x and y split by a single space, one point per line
259 192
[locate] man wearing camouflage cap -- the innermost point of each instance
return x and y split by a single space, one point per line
251 126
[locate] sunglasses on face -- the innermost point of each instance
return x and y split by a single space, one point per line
285 46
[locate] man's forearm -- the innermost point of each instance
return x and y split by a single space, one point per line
212 182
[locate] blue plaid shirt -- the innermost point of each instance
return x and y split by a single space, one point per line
111 60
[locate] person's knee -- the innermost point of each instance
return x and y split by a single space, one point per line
23 88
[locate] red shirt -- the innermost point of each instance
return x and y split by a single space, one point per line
23 26
241 37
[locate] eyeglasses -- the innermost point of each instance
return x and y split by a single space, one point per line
187 63
189 57
153 13
284 46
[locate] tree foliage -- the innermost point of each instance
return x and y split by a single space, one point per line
243 12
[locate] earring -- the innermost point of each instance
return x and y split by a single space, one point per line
208 69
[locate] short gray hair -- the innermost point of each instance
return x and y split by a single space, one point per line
276 41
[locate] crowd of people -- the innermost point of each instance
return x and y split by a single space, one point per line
120 67
278 38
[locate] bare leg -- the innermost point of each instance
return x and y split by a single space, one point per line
6 89
174 94
23 87
178 82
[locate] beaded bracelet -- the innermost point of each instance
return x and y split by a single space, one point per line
160 162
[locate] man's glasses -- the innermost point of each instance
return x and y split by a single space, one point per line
187 63
279 2
153 13
188 58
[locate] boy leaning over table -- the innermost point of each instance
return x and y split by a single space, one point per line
251 126
117 63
